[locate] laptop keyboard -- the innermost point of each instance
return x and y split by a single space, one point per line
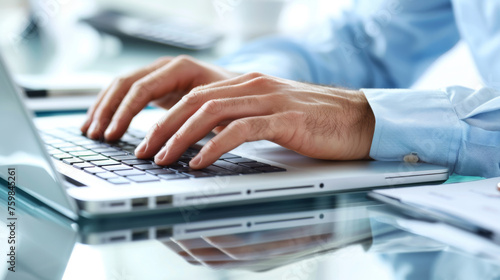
116 163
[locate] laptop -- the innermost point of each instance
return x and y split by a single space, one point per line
299 229
49 159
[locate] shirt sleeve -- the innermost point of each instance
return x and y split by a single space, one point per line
455 127
376 44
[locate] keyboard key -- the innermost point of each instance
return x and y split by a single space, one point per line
95 158
62 156
235 168
105 162
112 154
182 169
53 151
63 145
160 171
73 130
96 146
184 161
107 175
218 171
84 153
254 164
118 181
136 162
173 176
54 141
104 150
130 149
117 167
143 178
136 133
198 174
94 170
228 155
176 165
83 165
72 149
269 169
135 142
72 160
147 166
84 142
132 172
239 160
124 157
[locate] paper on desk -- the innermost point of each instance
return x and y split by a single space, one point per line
477 203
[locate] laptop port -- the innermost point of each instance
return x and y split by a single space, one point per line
164 200
163 232
117 238
139 202
142 234
117 204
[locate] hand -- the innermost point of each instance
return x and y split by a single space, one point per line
256 251
164 82
316 121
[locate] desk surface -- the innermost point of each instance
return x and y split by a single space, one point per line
345 236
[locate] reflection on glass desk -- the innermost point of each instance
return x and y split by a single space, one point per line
345 236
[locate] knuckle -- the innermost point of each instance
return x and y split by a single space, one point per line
194 96
262 81
141 90
294 116
184 58
162 60
241 127
254 75
154 130
140 87
212 107
177 138
211 146
121 81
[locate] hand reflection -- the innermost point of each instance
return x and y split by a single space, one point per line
264 250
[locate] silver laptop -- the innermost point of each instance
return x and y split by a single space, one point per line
48 159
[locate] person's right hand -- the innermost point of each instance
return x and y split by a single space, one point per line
164 82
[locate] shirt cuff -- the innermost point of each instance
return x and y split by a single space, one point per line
414 121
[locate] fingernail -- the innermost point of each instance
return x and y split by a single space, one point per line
161 155
93 127
110 129
195 161
85 125
141 148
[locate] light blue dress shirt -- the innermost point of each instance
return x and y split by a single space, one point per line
384 46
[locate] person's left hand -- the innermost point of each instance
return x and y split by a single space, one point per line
316 121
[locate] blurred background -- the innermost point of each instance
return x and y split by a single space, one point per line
85 43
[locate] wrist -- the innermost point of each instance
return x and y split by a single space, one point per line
367 125
362 124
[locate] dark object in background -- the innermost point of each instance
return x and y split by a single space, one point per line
172 32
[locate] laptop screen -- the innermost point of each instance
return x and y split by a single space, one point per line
24 162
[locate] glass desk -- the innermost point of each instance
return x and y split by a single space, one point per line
344 236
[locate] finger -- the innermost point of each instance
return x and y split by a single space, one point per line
166 127
210 115
234 81
111 99
91 110
238 132
177 74
219 128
